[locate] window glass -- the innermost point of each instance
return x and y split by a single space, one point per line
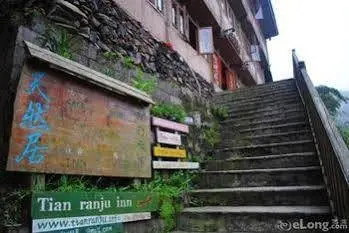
181 22
174 15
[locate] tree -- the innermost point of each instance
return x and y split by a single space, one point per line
332 98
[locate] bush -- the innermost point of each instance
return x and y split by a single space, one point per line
220 112
147 85
168 111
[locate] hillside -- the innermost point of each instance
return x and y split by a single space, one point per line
344 111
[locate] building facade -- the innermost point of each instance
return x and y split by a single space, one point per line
240 30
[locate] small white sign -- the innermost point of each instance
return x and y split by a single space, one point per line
175 165
168 138
206 40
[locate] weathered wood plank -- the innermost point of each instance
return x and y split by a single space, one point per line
169 152
175 165
63 126
168 138
86 73
170 125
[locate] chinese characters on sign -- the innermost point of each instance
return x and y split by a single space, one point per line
34 119
62 125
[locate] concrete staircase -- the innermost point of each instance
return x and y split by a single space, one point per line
265 170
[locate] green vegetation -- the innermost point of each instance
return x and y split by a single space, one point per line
345 134
168 111
147 85
112 56
140 81
128 62
220 112
12 206
212 135
170 191
332 98
109 72
58 41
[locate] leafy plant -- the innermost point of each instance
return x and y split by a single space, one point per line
170 191
212 135
148 85
220 112
168 111
58 41
12 206
332 98
128 62
112 56
109 72
345 135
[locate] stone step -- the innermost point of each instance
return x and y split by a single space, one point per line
260 98
284 97
267 115
274 109
277 86
264 123
265 196
250 218
266 138
266 149
304 159
287 104
282 128
260 177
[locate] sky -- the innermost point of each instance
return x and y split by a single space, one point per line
319 31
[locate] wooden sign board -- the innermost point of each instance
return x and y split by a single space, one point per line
168 138
159 122
169 152
169 165
62 125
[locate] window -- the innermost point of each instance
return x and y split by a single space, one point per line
179 18
193 35
174 15
181 22
159 4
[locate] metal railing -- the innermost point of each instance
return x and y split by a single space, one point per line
333 152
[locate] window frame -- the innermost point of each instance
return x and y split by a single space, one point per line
157 6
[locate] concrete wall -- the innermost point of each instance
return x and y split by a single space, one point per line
155 22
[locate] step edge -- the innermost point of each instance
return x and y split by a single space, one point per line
265 170
265 145
262 189
305 154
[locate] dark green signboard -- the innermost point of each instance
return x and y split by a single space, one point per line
56 205
89 212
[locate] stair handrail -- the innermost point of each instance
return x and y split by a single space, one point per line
332 150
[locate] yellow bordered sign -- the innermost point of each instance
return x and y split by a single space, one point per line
169 152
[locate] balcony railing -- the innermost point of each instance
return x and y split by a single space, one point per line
333 152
